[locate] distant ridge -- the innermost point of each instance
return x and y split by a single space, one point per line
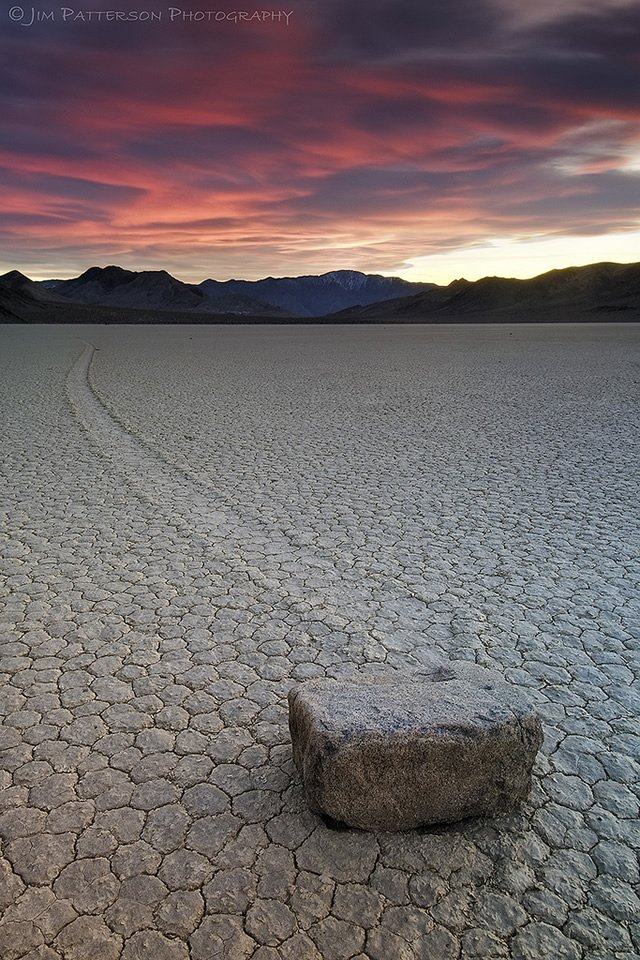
16 281
149 290
597 289
21 297
308 296
601 291
316 296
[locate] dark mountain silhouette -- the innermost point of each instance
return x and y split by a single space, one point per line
602 291
148 290
308 296
591 292
316 296
14 280
21 298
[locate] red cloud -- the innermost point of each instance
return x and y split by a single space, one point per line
189 146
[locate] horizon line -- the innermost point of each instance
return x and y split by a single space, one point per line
386 276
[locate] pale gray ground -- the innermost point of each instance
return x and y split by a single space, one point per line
197 517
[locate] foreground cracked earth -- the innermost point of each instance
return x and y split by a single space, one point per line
196 518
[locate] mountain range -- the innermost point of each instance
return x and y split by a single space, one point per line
592 292
308 296
112 294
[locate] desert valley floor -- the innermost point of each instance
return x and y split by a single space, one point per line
198 517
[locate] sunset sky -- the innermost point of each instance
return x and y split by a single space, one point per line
429 139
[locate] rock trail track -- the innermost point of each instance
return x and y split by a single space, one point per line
195 518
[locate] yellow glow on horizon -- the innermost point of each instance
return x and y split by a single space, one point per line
521 258
508 257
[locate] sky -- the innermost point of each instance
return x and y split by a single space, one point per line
428 139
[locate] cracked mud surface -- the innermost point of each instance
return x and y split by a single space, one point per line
198 517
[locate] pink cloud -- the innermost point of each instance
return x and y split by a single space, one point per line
282 150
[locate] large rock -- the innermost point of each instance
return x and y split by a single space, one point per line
412 750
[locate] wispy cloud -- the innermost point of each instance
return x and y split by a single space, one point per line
364 135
